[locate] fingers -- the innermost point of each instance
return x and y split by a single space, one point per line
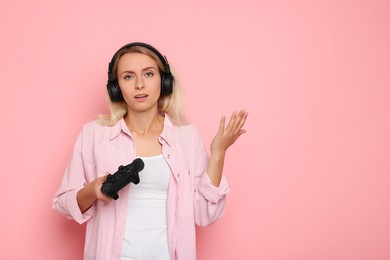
105 198
242 116
236 122
231 126
100 195
222 124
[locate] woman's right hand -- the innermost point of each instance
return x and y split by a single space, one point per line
97 185
90 193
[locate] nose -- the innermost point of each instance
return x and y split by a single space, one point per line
139 84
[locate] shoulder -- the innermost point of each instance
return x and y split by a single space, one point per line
186 130
188 133
92 126
189 128
96 125
94 129
183 136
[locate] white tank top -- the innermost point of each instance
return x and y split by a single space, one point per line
146 224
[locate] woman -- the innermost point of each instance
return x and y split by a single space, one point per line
180 186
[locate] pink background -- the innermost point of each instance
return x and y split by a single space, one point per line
310 179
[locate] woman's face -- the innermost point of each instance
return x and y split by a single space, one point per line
139 80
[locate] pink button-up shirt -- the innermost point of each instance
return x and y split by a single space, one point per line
192 198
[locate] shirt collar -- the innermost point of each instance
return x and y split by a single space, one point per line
167 132
118 128
165 136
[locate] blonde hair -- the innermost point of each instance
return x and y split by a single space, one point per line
171 104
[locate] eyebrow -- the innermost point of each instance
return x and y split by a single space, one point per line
147 68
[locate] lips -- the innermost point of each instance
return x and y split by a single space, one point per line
141 96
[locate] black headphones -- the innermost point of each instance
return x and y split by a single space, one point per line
113 88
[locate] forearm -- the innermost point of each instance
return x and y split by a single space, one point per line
215 167
86 197
224 138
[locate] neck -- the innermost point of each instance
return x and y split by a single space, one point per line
145 122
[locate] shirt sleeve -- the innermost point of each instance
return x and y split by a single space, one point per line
74 179
209 201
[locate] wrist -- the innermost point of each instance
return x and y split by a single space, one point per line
86 196
218 154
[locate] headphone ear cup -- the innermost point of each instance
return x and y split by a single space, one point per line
114 91
166 84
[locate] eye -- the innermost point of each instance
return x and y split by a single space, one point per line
149 74
127 76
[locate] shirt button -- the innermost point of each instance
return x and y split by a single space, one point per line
178 175
168 156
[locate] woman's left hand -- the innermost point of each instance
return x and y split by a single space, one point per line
225 137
